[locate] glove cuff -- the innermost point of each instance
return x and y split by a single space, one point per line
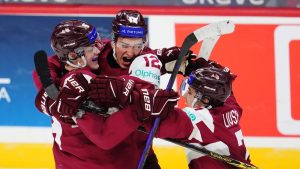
43 102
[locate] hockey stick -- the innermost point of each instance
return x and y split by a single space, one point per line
212 154
207 46
207 152
205 51
210 30
209 43
42 69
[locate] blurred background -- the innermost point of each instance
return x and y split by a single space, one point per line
263 51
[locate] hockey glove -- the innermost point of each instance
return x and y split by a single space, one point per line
43 102
225 69
73 93
168 57
195 64
200 63
111 91
156 103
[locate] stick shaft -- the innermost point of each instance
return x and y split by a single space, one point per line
189 41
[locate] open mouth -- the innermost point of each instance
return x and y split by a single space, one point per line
125 59
95 58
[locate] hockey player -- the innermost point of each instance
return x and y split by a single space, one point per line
77 46
214 113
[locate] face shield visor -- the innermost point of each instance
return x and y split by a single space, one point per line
186 82
184 87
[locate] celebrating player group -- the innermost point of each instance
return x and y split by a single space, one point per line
121 77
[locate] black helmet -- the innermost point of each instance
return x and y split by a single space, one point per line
212 83
70 35
130 24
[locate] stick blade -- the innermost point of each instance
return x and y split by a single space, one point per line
226 27
207 47
214 29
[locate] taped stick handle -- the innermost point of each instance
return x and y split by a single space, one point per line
42 69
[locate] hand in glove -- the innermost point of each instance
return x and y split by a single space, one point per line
226 69
200 63
43 102
111 91
169 56
157 103
72 94
195 64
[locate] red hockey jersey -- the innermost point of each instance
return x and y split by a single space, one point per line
216 129
91 143
97 142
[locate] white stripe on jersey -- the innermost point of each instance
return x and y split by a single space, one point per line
196 134
200 115
57 129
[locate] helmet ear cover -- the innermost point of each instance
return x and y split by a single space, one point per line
204 99
77 53
72 56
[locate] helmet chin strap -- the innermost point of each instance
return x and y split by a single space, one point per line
78 64
114 49
194 102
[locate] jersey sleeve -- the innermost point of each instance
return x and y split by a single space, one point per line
176 125
218 130
107 133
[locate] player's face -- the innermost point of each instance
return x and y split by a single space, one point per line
90 53
126 49
91 56
189 96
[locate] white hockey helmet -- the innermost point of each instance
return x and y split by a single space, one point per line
146 67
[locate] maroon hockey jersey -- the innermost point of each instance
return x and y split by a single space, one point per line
216 129
98 142
77 147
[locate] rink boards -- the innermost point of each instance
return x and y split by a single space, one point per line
263 51
39 156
